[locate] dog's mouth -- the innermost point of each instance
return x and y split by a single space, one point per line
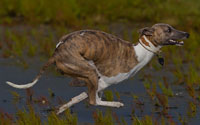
174 42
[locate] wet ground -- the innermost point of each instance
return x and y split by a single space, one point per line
132 93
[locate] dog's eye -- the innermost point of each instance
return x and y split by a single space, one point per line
169 30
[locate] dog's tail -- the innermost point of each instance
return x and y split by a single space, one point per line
28 85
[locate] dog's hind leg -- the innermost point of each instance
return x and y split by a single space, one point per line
81 69
73 101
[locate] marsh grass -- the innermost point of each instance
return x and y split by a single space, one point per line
179 76
108 95
32 49
5 118
27 44
151 120
150 88
163 101
29 116
74 15
108 117
160 99
70 12
182 119
192 109
16 97
67 119
165 90
100 118
193 76
146 120
117 94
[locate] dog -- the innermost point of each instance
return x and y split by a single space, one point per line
100 59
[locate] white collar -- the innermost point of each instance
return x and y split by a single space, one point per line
149 45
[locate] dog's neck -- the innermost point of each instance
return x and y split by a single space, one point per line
145 49
149 45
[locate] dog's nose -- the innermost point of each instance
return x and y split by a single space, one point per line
187 35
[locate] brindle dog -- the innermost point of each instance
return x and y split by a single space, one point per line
101 59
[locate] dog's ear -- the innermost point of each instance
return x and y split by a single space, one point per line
148 31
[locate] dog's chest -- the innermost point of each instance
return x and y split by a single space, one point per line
143 57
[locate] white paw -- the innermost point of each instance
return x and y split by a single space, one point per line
109 103
119 104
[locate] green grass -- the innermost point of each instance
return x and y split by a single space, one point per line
101 118
30 117
68 119
108 95
147 120
166 90
75 13
192 109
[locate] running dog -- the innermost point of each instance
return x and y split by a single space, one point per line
101 59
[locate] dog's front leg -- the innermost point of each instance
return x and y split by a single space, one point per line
101 86
107 103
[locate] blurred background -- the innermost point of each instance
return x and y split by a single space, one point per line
30 30
27 25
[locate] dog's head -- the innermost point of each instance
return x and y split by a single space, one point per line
164 34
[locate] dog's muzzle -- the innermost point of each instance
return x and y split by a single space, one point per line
177 42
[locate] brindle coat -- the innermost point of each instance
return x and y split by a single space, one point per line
111 55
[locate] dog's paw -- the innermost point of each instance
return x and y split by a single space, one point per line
119 104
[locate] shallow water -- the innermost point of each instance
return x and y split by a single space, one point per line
59 85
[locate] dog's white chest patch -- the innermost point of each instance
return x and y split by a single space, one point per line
143 57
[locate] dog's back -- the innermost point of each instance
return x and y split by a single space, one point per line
110 54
